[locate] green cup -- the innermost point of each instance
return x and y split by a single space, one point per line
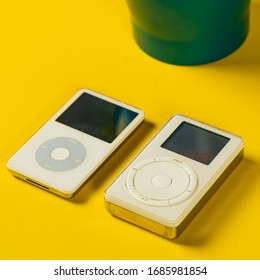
189 32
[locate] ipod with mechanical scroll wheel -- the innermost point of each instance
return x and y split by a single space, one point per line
168 182
62 155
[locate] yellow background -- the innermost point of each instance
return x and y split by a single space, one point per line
49 50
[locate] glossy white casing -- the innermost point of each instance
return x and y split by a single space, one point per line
171 216
23 163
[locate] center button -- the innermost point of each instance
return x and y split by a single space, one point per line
60 153
161 181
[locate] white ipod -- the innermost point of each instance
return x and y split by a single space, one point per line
174 175
62 155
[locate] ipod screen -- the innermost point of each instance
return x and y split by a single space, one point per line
195 143
97 117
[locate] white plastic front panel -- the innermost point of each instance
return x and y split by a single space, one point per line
206 175
23 162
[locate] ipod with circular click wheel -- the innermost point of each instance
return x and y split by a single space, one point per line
168 182
62 155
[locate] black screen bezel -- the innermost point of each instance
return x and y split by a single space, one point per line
79 117
178 143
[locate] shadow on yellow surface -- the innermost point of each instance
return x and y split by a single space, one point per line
217 213
113 163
